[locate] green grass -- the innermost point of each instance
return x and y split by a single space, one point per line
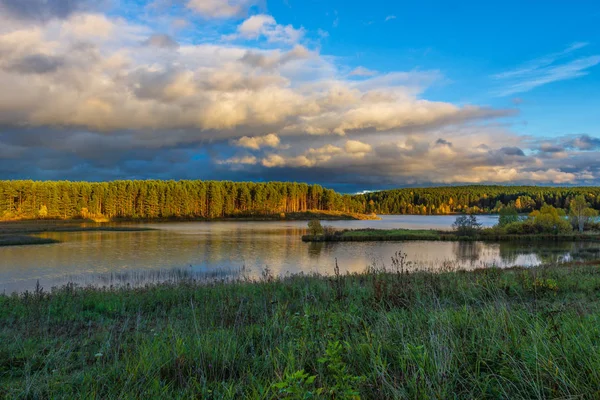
487 234
22 240
392 233
519 333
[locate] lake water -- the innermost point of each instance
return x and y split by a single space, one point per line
222 249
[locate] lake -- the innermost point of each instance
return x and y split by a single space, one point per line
222 249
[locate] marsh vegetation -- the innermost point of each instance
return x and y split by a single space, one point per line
384 333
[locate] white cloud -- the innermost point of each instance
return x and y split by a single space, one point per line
354 147
246 160
389 18
221 8
262 25
546 70
88 91
258 142
362 71
273 160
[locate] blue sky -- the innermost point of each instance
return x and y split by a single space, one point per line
348 95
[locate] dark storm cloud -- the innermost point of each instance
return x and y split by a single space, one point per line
43 10
512 151
443 142
36 64
551 148
585 142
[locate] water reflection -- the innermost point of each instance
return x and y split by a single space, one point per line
223 249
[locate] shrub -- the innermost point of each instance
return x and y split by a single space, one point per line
508 215
329 230
466 225
315 228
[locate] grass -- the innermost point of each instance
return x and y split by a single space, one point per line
18 233
22 240
488 234
491 333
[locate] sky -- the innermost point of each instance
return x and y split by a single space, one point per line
350 95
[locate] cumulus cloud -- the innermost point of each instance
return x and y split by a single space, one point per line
162 40
362 71
89 96
247 160
265 26
269 60
585 142
43 10
258 142
355 147
221 8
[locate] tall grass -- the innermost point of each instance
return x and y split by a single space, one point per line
385 333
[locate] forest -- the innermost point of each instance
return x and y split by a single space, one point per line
477 199
152 199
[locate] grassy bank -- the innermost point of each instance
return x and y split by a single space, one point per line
519 333
381 235
22 240
18 233
291 216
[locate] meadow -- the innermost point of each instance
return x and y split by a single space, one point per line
384 333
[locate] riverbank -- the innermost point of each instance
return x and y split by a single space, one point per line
517 333
291 216
491 235
19 233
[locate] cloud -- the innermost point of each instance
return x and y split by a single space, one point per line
162 41
362 71
274 59
258 142
93 96
246 160
322 33
443 142
389 18
546 70
273 160
355 147
512 151
585 142
263 25
326 150
43 10
221 8
36 64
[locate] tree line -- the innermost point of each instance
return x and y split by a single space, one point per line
478 199
150 199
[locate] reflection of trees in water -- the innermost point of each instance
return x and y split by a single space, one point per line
315 249
550 252
585 251
467 251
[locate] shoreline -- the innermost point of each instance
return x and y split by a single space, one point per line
391 235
